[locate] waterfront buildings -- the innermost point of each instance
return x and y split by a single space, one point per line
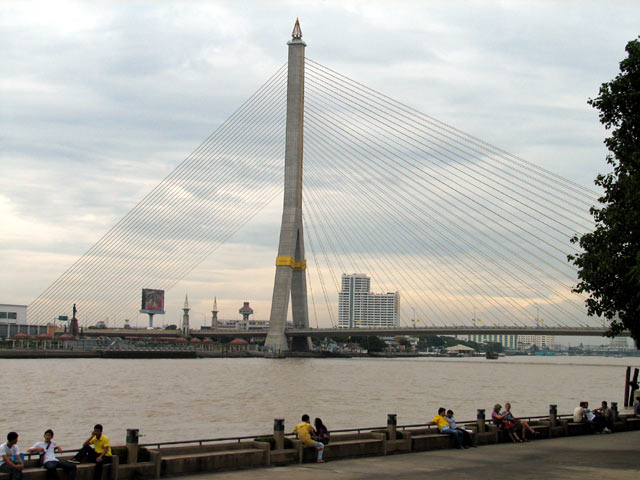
358 307
541 341
509 342
14 314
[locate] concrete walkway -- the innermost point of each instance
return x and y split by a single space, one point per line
597 457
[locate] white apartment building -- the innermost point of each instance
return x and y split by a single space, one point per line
358 307
509 342
540 341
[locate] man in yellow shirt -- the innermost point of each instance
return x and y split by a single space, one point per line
304 430
444 427
100 453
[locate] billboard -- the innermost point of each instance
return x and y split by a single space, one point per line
152 301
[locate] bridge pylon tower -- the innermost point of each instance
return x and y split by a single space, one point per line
290 279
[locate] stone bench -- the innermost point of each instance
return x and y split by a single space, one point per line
215 457
84 471
631 423
347 446
423 439
582 428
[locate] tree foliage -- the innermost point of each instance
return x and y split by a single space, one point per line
609 266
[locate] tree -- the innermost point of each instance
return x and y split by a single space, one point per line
372 344
609 266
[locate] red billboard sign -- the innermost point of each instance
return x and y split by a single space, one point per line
152 301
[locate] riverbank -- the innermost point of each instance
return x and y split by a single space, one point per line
181 353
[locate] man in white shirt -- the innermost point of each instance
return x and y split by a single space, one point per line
580 413
47 450
10 460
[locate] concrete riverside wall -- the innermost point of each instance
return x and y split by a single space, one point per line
171 460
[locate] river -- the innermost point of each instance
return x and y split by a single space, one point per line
204 398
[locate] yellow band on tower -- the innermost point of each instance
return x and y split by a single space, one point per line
290 262
285 262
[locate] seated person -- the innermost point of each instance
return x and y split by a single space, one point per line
636 409
10 458
322 433
100 454
606 417
467 441
304 430
445 427
579 414
519 423
48 450
503 424
582 414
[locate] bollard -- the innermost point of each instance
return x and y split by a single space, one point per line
614 409
553 415
278 433
481 418
132 445
391 426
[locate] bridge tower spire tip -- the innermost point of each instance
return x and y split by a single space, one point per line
297 31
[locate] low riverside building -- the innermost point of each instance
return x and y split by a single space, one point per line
13 314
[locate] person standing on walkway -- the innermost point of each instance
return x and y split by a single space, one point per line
445 427
304 430
100 453
10 459
47 450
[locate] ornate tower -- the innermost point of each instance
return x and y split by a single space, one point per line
214 313
185 317
291 266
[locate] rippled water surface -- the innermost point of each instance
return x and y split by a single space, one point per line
205 398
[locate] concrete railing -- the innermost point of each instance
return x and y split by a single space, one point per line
277 448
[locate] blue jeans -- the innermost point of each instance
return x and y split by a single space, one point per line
321 451
456 434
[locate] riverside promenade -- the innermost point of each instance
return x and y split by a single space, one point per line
587 457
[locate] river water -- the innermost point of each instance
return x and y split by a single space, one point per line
205 398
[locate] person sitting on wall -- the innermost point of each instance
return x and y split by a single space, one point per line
304 430
321 432
517 423
579 414
100 454
10 458
47 450
604 416
445 427
502 423
582 414
467 441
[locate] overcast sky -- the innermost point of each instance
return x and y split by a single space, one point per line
99 101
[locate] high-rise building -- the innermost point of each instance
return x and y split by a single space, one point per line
507 341
358 307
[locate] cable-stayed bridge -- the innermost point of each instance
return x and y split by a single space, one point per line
468 234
